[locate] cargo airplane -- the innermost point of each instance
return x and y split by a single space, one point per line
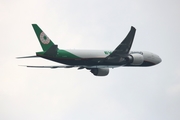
97 62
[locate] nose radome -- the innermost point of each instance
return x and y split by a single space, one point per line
158 59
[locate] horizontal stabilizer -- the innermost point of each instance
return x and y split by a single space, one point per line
27 57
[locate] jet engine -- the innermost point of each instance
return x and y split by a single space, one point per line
135 59
100 71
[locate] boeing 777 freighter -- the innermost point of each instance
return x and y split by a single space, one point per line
97 62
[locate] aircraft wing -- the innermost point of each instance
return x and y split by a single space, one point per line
27 57
68 66
123 49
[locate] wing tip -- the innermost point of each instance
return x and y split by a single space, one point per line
132 27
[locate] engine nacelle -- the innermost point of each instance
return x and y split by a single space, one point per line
136 59
100 71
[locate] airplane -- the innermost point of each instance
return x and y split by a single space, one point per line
97 62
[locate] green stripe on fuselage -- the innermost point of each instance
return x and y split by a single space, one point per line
66 54
60 54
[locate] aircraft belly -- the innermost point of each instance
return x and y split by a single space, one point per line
93 62
144 64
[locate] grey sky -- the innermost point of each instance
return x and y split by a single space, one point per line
151 93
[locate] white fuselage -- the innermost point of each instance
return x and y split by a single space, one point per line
148 56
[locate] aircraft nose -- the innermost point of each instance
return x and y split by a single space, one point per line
157 59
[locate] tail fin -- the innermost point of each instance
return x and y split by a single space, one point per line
44 40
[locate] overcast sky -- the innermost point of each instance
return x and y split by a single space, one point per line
151 93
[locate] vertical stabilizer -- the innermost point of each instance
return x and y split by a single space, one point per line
44 40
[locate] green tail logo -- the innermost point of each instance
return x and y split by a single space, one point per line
44 40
